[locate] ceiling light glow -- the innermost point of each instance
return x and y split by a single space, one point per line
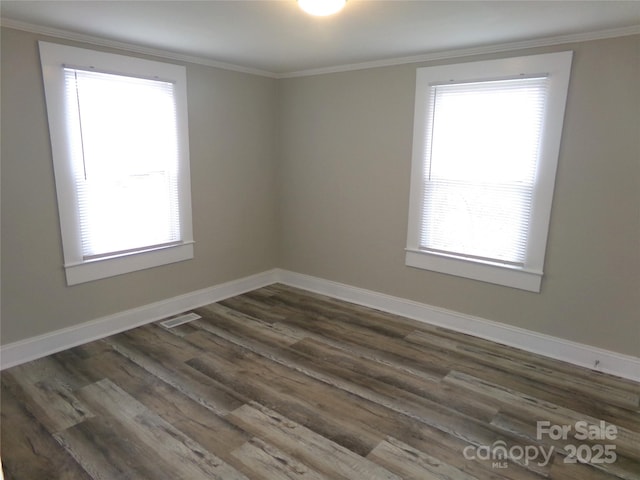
321 8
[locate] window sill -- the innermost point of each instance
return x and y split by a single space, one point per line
498 274
88 271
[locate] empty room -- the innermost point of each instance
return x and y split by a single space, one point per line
300 239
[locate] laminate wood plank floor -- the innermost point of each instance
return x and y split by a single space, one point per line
280 383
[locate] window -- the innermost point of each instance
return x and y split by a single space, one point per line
118 130
486 142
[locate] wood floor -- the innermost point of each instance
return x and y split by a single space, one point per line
283 384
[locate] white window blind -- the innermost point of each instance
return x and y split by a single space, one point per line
482 147
120 143
124 149
486 144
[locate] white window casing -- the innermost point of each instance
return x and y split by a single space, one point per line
485 151
119 137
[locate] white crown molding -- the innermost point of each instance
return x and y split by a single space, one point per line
42 345
467 52
128 47
614 363
427 57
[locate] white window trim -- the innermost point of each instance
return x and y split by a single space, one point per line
79 270
528 277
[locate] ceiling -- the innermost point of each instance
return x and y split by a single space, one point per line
277 38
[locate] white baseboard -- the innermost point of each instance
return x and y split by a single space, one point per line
36 347
625 366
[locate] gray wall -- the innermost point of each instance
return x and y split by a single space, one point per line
312 174
346 156
232 142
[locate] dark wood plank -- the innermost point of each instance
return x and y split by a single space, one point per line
160 443
530 370
282 383
48 399
165 365
200 423
28 451
626 441
264 461
305 400
412 464
356 423
325 456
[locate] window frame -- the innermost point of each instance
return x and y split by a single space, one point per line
53 58
528 276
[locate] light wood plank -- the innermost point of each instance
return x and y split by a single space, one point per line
242 324
210 430
367 372
325 456
626 441
108 450
41 386
623 467
28 451
307 401
502 361
170 370
412 464
181 455
268 462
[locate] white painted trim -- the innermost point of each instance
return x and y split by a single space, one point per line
36 347
82 272
470 52
427 57
68 162
556 68
506 275
625 366
128 47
